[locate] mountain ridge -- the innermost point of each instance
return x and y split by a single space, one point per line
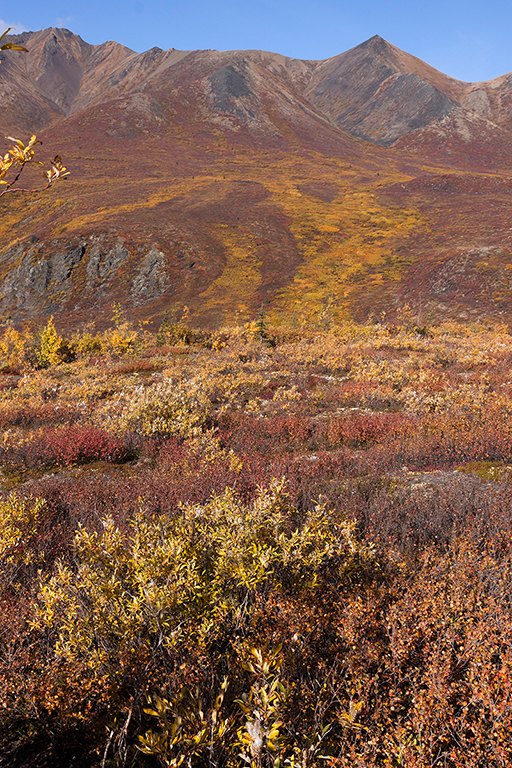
219 180
106 59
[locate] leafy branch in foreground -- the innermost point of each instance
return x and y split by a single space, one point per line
10 46
21 155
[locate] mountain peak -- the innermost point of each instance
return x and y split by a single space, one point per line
375 39
376 44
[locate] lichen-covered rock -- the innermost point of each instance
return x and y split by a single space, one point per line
152 279
44 277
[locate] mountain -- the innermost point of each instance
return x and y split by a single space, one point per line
221 179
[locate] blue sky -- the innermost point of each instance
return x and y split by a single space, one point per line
467 40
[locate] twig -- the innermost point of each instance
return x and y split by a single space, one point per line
22 189
107 747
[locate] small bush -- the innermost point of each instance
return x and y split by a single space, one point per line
52 349
67 446
167 408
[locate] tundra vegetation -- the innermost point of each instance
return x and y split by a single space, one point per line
256 547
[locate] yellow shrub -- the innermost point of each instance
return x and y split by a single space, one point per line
15 346
173 576
19 519
86 344
166 408
52 348
123 340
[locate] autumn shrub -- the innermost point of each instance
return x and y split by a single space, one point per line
228 549
134 603
122 341
123 338
66 446
135 366
178 332
83 498
172 610
167 408
52 349
10 370
271 436
412 512
358 428
451 703
16 347
7 384
41 348
20 519
374 666
86 344
48 414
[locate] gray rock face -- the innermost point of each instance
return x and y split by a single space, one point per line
30 285
41 278
104 259
381 120
228 85
152 279
63 263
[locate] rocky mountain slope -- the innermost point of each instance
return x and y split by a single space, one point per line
218 180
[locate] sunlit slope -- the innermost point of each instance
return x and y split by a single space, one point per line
315 237
236 226
220 187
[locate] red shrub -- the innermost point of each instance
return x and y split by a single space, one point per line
272 436
358 428
47 414
67 446
134 366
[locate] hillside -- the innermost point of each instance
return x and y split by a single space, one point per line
277 543
220 180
